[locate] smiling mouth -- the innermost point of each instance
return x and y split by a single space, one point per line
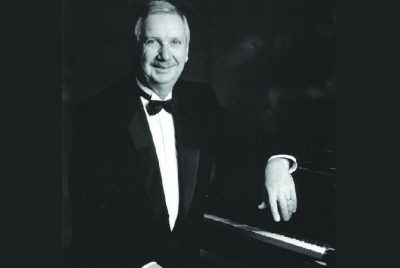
163 66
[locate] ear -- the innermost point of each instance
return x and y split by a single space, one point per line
187 53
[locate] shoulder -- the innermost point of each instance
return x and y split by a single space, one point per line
110 95
192 86
103 102
195 91
99 111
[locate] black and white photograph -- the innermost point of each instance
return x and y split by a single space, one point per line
199 133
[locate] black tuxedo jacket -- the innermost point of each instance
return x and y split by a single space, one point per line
119 215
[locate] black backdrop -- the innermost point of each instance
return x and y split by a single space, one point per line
270 62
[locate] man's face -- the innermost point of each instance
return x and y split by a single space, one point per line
164 49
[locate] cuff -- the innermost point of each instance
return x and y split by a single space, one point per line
292 161
149 264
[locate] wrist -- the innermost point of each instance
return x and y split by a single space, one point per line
279 161
292 162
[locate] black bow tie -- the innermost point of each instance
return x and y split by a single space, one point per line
155 106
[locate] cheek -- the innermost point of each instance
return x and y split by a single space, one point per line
148 56
181 56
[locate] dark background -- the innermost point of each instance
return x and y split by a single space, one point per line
271 63
366 140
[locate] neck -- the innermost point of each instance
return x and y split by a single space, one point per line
162 90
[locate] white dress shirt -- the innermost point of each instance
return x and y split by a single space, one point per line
163 134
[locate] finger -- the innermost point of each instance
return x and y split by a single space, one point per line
283 207
290 207
263 205
289 203
274 208
294 197
287 193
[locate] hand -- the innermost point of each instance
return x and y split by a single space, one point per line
152 265
281 190
155 265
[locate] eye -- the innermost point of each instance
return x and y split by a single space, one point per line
150 42
176 42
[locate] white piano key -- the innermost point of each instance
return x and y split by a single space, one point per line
273 238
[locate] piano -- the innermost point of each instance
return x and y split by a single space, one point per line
250 238
310 253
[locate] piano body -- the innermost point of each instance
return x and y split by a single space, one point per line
250 238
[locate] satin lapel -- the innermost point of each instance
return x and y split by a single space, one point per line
141 136
188 147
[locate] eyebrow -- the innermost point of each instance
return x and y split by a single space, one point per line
182 38
158 37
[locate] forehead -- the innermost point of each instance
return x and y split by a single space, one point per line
163 25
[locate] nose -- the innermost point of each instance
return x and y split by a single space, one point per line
164 53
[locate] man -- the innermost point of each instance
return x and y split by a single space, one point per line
142 156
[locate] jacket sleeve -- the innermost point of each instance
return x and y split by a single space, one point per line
241 154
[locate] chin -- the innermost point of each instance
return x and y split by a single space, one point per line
164 78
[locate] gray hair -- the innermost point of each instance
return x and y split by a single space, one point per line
156 7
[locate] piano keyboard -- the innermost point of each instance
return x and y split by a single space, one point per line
302 247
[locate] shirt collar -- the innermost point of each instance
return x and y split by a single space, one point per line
150 92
